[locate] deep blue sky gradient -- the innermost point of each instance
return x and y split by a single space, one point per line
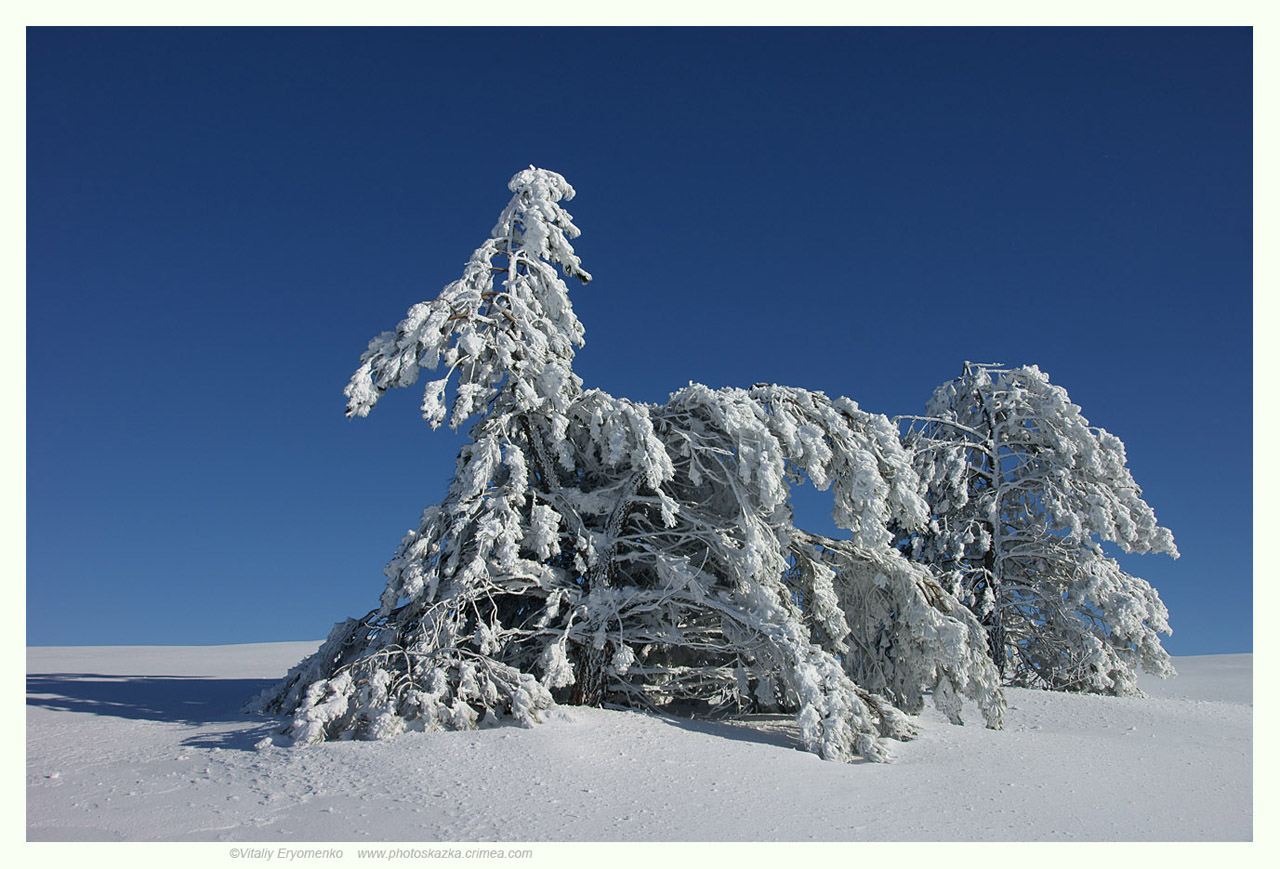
219 220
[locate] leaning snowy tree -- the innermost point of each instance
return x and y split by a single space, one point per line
1023 493
591 549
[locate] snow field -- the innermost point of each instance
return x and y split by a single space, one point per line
147 744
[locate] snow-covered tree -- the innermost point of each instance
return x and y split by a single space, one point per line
736 607
1023 493
458 634
593 549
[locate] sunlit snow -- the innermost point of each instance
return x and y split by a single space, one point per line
149 743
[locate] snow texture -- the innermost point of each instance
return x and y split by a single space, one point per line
149 743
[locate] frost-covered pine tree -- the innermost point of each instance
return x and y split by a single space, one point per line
1023 493
473 592
593 549
736 608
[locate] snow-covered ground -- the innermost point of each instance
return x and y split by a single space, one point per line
148 743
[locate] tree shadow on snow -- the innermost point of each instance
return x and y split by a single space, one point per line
777 730
245 739
188 700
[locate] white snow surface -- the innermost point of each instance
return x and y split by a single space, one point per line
149 743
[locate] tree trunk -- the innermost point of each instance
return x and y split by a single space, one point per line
994 620
588 675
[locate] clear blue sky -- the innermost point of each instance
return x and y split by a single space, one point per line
219 220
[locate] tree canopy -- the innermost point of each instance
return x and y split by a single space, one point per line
592 549
1024 494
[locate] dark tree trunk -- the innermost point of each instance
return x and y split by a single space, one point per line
994 620
589 676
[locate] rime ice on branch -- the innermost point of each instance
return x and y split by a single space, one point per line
591 549
1023 493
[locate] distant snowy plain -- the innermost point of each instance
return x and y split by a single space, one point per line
148 743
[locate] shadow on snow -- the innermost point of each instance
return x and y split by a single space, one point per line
197 701
191 700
